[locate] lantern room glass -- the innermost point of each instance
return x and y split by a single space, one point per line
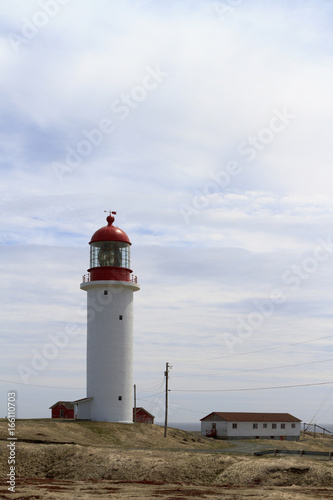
110 253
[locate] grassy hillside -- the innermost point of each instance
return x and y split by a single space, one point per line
54 458
146 436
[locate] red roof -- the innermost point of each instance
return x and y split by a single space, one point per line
82 400
110 233
138 409
67 404
251 417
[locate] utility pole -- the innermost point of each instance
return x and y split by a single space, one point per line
166 373
134 403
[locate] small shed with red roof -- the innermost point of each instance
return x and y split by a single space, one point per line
62 409
142 416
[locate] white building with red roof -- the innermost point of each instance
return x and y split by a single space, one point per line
241 425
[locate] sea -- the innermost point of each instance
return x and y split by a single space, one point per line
184 426
319 427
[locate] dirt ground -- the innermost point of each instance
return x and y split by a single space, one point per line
87 490
67 460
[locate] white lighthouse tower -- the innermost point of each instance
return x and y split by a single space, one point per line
109 286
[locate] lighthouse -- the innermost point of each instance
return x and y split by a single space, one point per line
110 285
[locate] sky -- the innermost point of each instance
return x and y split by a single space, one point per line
206 125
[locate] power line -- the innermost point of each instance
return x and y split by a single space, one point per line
182 362
156 387
145 398
45 386
154 405
153 389
250 389
274 367
186 409
324 412
252 352
321 405
150 387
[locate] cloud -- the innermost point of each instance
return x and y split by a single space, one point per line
217 162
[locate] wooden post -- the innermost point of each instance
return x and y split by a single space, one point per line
330 455
134 403
166 373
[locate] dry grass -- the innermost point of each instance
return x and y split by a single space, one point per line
79 462
283 471
136 461
307 441
108 434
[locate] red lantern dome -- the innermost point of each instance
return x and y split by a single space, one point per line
110 233
110 254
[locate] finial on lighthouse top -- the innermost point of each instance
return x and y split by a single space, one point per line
110 218
110 232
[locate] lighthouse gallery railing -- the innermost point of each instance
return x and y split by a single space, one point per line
86 278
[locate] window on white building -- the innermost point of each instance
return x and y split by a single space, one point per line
283 426
273 426
265 426
293 426
255 426
234 426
